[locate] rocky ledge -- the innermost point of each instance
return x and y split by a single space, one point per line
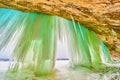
101 16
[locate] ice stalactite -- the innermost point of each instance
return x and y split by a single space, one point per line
85 48
31 38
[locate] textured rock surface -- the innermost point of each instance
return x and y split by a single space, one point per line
101 16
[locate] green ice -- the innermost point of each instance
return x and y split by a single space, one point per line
33 37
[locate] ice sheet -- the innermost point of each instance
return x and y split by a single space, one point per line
63 72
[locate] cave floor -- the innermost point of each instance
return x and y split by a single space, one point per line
62 72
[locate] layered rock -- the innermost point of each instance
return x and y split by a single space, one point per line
101 16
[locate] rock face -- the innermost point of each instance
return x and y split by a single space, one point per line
101 16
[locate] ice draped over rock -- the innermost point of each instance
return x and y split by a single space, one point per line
32 39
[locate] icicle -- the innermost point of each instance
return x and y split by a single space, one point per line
85 48
31 38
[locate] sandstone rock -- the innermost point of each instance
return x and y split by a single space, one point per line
101 16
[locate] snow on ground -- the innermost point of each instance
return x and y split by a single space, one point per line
63 72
